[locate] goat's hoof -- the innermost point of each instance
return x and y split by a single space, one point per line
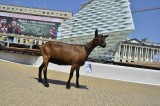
40 80
67 86
77 86
46 84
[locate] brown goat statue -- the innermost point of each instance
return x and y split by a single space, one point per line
68 54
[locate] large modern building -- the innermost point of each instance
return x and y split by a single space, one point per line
111 17
134 50
29 25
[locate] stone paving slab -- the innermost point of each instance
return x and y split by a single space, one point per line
19 87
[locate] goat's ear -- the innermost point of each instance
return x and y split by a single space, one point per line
105 36
96 32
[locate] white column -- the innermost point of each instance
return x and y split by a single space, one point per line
131 50
127 50
129 53
136 52
123 50
151 54
146 53
140 51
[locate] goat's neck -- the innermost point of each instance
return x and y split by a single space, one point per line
90 46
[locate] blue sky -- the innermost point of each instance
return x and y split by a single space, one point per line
147 23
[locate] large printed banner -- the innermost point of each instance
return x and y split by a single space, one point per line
29 25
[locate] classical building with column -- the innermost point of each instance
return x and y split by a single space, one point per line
134 50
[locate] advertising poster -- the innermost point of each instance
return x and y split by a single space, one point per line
29 25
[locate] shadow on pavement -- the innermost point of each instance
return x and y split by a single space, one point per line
59 82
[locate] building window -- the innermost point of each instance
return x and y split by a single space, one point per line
33 42
21 9
65 14
43 12
12 8
37 42
18 40
8 8
57 14
126 17
3 7
24 40
52 13
47 12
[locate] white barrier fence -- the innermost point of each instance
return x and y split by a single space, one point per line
122 73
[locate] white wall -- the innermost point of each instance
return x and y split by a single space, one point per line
18 58
122 73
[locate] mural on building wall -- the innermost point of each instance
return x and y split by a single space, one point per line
29 25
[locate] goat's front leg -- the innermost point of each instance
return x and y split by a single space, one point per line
45 74
77 76
70 76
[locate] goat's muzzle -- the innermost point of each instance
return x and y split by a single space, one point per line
104 45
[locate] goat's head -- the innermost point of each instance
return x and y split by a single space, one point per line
100 39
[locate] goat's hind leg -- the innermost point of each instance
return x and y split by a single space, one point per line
46 84
40 73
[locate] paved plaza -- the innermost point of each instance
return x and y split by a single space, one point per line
19 87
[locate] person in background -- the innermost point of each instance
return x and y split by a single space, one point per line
53 33
3 25
14 25
19 29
